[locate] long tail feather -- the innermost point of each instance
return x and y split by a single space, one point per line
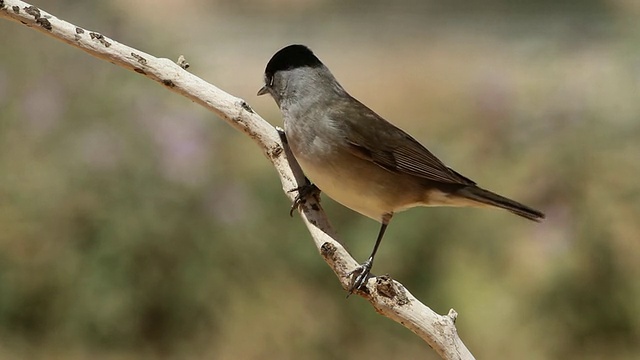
487 197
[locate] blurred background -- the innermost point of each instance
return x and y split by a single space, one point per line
136 225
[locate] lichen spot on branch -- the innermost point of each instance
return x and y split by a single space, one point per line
100 38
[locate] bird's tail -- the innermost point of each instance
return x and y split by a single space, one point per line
486 197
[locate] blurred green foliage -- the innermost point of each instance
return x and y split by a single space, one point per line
136 225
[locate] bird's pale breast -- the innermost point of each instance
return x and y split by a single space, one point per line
354 182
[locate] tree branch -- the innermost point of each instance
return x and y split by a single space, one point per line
387 296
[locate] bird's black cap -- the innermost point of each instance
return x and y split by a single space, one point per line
291 57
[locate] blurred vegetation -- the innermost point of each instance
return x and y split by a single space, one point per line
136 225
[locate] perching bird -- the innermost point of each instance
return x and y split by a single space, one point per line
358 158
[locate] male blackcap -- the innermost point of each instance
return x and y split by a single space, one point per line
358 158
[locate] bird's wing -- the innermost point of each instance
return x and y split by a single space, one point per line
394 150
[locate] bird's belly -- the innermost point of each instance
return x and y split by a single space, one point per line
353 182
356 183
342 187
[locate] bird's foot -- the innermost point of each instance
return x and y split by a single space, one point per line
360 275
304 192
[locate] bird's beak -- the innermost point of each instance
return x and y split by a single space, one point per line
263 90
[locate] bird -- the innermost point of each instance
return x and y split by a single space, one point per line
358 158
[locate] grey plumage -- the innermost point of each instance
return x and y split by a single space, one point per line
358 158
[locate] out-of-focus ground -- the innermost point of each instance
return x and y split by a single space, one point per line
134 224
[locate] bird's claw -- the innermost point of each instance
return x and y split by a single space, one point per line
361 273
304 192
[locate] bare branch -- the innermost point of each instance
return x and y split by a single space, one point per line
387 296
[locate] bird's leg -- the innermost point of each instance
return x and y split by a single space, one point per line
364 269
282 134
304 191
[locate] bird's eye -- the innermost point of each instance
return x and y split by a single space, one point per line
270 82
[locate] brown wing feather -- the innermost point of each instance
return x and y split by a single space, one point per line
396 151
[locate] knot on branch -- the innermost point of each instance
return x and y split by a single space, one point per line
328 250
388 288
453 315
